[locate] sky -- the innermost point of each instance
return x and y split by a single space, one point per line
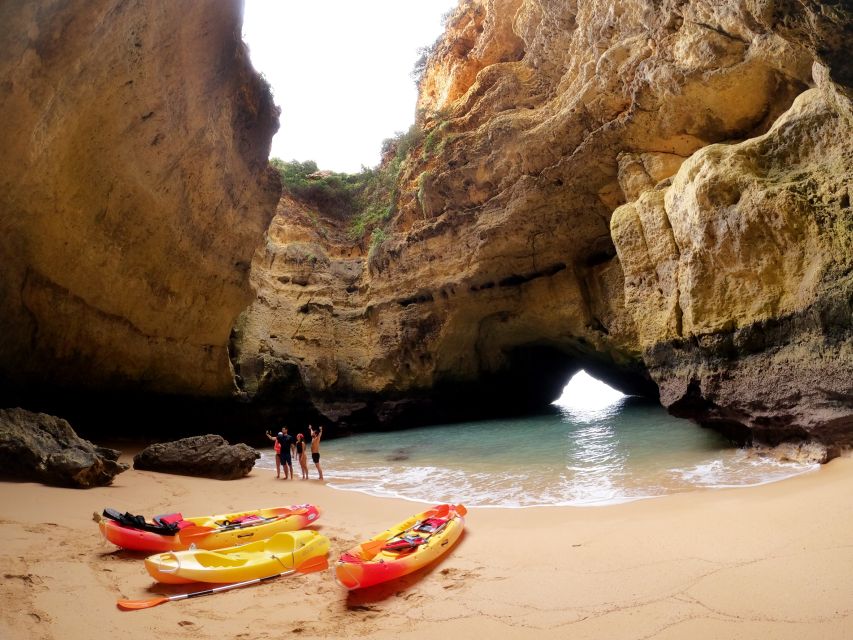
341 72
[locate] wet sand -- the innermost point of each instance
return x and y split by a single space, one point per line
773 561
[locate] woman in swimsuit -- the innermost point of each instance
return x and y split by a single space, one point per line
302 455
277 454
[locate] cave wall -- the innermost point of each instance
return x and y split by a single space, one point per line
134 189
651 189
657 191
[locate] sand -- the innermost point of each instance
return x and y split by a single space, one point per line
774 561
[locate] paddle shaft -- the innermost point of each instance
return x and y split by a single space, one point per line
317 563
201 530
226 587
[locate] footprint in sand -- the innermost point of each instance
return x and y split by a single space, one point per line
456 578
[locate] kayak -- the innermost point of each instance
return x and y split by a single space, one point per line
175 533
400 550
282 552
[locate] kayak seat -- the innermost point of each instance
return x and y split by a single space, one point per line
431 525
282 542
172 520
211 559
403 544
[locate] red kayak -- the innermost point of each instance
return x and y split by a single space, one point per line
175 533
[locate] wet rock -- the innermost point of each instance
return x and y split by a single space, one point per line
41 447
207 456
808 452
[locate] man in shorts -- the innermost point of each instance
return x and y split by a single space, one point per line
316 434
285 454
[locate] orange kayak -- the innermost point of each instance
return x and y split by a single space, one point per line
205 532
402 549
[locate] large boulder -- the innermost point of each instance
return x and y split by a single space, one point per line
208 456
37 446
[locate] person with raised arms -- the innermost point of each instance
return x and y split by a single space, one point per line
316 434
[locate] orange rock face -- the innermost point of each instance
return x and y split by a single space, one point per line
597 185
134 189
656 192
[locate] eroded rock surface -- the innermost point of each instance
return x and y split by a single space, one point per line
207 456
632 187
740 276
134 189
37 446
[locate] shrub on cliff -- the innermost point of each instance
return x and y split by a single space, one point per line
333 194
367 198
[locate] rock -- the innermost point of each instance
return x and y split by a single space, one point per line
810 452
134 189
656 191
37 446
738 278
207 456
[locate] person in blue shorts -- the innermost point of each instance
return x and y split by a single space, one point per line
286 455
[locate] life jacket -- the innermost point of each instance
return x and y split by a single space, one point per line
165 525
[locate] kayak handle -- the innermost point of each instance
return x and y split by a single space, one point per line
177 562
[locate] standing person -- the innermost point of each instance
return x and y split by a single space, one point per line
316 434
277 447
302 455
286 443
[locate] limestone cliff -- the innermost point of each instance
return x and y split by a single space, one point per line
134 189
658 192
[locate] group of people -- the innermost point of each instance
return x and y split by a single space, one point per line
287 447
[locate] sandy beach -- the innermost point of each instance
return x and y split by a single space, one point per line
773 561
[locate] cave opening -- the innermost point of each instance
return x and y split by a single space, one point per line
531 381
586 393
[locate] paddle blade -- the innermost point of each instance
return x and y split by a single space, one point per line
317 563
460 509
372 547
131 605
441 510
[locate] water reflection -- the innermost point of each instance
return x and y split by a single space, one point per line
595 461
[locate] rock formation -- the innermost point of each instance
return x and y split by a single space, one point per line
35 446
658 192
134 189
207 456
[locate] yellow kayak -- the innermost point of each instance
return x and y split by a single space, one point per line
283 551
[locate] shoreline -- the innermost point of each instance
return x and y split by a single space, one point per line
341 483
774 560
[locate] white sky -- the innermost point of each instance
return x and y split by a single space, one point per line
340 71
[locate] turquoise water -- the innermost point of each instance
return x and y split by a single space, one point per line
619 450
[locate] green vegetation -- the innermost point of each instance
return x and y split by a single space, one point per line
334 194
366 199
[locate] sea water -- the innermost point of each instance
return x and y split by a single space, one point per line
595 447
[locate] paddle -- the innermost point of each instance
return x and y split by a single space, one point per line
199 531
317 563
372 547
